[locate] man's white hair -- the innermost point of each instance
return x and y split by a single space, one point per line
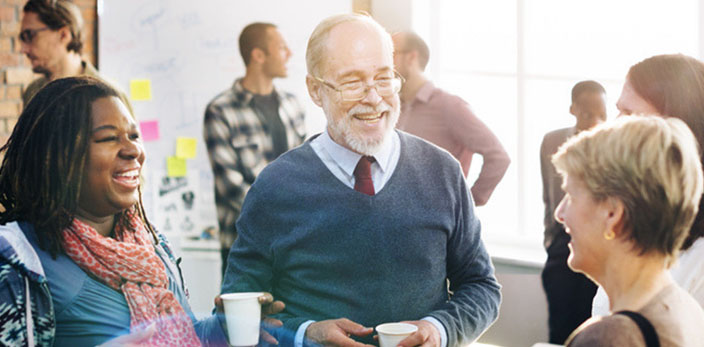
315 53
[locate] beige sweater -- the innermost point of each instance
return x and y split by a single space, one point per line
676 316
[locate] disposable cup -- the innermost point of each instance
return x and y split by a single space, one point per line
390 334
243 316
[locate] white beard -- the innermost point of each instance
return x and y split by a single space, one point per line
342 129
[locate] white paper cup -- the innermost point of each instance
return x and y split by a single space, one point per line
390 334
243 315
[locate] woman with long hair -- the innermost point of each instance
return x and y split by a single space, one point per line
80 263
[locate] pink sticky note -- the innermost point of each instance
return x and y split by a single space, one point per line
150 130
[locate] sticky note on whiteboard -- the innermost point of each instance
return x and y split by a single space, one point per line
176 167
141 89
186 147
150 130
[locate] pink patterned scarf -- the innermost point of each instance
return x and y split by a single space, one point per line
129 263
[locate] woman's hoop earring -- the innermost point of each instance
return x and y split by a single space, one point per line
610 235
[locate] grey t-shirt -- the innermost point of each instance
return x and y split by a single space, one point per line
267 108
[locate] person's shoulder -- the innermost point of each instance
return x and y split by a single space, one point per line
12 239
37 83
16 249
288 163
90 70
443 96
284 94
677 300
612 330
433 91
553 139
276 180
559 133
32 89
447 104
9 240
417 143
164 244
425 151
295 156
291 103
226 98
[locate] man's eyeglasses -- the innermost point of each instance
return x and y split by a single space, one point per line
27 35
358 90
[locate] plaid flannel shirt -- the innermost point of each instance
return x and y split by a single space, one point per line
239 147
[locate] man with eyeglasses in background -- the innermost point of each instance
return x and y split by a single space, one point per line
250 124
51 37
445 119
363 224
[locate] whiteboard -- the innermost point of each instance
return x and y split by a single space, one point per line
189 51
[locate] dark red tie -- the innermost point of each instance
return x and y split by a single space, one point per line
363 176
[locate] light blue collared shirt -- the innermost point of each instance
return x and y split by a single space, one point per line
341 162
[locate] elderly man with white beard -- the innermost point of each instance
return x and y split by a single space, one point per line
363 224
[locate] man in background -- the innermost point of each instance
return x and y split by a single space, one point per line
249 125
445 119
569 293
51 35
364 224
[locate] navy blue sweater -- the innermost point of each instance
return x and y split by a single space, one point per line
329 251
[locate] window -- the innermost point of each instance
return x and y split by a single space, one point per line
516 61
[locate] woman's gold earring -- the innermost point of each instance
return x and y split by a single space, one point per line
610 235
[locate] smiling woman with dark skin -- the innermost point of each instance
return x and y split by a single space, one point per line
74 238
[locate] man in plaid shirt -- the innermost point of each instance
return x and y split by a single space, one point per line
249 125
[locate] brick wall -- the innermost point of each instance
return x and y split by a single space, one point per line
15 69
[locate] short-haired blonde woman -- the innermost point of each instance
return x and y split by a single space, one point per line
632 189
670 85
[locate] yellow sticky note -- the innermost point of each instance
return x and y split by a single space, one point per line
176 167
141 89
186 147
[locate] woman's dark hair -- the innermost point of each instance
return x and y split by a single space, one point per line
45 157
674 85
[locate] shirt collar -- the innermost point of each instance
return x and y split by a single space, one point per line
347 159
245 96
425 91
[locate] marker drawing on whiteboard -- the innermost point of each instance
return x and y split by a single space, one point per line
149 17
187 225
188 199
169 184
190 20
